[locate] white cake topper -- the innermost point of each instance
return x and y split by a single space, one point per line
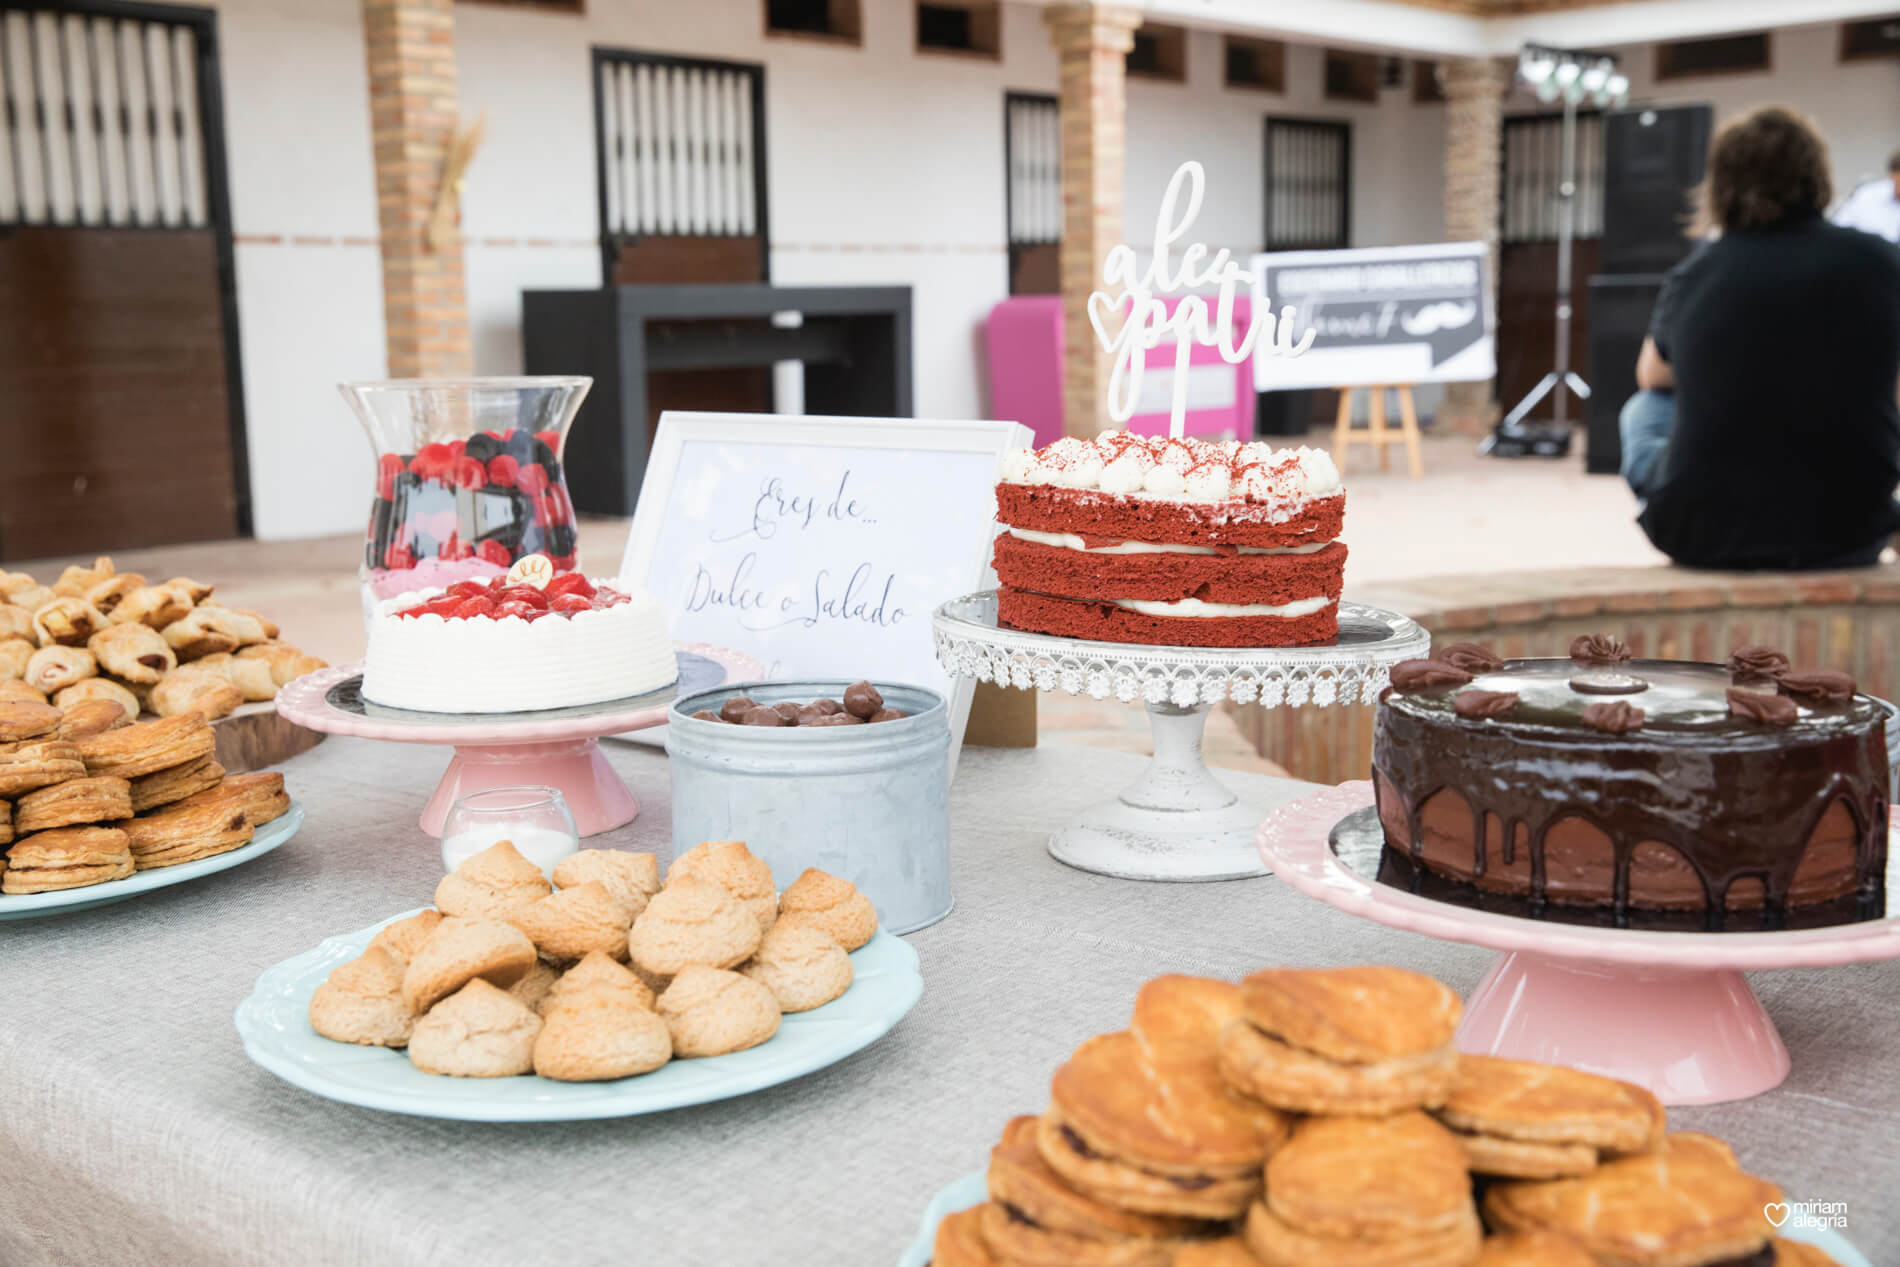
1148 321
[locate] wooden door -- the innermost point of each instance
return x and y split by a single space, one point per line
122 422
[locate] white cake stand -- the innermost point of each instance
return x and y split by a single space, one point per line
1178 822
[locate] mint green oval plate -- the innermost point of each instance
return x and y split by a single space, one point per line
974 1190
67 901
275 1026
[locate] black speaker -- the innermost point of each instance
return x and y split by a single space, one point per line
1620 306
1652 159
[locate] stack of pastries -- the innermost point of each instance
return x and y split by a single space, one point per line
167 649
1322 1118
603 974
90 798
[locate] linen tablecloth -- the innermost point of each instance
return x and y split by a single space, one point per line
134 1130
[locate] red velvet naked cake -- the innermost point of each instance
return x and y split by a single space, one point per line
1188 543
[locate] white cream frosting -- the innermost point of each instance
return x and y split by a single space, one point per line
482 665
1183 470
1070 541
1198 609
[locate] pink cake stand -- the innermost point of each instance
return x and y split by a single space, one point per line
1668 1011
558 750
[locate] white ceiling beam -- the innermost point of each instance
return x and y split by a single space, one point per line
1647 21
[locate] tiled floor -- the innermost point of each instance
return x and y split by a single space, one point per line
1467 515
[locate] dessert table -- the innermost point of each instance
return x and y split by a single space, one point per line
134 1130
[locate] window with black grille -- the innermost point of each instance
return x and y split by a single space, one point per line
1352 76
1723 55
681 148
1032 190
1309 184
1533 177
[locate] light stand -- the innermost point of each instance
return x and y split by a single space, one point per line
1573 76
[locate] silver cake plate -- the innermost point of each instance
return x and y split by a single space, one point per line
1178 822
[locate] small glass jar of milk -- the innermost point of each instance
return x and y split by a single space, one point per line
535 820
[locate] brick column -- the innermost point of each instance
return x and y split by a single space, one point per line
1474 123
1091 42
411 46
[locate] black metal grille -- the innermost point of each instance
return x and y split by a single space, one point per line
1309 185
1533 177
104 110
1032 163
681 147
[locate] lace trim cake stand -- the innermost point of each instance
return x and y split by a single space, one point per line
1668 1011
1178 822
557 748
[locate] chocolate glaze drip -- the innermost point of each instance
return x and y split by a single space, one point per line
1733 798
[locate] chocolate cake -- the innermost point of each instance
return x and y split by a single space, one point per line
1641 793
1172 542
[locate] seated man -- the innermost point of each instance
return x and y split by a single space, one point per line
1767 430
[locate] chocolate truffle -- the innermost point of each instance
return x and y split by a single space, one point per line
862 700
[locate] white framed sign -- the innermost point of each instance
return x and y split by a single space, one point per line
1380 315
820 545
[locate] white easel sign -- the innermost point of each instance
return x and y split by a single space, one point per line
819 545
1147 322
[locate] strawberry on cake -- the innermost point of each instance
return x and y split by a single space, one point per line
533 639
1172 542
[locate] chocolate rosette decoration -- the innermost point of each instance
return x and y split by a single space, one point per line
1599 649
1427 675
1756 664
1817 686
1472 657
1475 704
1613 717
1758 706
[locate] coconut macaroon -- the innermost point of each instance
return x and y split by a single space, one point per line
459 951
711 1012
801 964
576 922
361 1002
692 921
632 878
597 974
593 1035
405 936
832 904
737 870
491 883
480 1031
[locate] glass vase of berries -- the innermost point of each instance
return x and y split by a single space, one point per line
468 478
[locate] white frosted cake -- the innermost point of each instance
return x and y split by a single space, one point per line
521 643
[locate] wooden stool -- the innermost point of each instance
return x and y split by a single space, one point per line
1375 432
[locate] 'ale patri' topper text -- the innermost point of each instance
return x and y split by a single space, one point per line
1148 322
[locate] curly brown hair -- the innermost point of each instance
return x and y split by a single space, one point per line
1766 167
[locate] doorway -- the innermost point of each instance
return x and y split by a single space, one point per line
124 417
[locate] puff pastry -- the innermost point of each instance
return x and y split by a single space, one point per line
75 581
89 717
15 652
133 653
108 594
56 667
251 677
151 605
16 622
99 688
287 664
194 691
13 689
68 621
